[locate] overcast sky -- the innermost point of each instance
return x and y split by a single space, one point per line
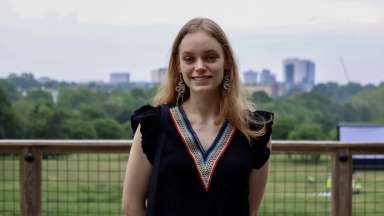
239 13
239 17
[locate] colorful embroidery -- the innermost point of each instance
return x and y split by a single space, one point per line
205 161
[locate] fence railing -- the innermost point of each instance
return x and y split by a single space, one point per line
84 177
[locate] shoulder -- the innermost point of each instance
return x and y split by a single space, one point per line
146 115
262 115
260 118
261 121
149 118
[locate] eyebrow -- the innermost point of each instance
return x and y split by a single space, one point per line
205 52
211 51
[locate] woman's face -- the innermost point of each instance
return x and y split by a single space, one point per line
201 60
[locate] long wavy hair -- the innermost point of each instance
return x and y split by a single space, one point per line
234 107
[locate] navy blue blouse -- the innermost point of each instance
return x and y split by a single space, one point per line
192 181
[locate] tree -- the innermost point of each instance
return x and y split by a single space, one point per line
141 95
260 97
336 93
39 96
9 124
107 129
47 122
9 90
307 131
25 81
90 113
79 129
311 101
74 98
127 130
370 101
283 126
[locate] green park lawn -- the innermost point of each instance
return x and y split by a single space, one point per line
90 184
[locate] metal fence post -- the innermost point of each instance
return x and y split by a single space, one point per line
30 181
342 183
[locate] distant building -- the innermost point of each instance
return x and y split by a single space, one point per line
266 77
281 89
267 82
271 90
117 78
158 75
44 80
54 93
309 79
250 77
299 74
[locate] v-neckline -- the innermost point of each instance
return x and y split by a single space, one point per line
204 152
204 161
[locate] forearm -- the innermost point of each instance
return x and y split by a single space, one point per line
134 210
253 213
257 188
133 203
136 180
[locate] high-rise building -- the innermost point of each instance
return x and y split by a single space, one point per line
309 79
289 72
250 77
266 77
117 78
158 75
299 74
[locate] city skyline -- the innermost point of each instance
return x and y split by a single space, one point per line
51 41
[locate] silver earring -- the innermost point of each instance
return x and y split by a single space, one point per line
226 82
180 89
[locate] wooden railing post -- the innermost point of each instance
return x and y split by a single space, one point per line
30 181
342 183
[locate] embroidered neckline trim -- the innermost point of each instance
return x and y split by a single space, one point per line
205 161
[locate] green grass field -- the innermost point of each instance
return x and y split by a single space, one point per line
90 184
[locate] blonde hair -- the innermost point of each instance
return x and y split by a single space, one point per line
233 107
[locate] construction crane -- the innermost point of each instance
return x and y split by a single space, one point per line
344 68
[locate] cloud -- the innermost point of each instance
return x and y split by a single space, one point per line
240 14
7 13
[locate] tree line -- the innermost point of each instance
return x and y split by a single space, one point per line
29 111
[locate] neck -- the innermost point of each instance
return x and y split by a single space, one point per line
205 107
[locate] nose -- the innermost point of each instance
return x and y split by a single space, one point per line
200 65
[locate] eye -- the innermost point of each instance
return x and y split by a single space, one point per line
211 58
188 59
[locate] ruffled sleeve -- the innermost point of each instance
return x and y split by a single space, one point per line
260 151
149 119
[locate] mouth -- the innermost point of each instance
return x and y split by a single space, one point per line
199 78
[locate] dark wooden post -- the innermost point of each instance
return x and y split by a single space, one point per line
342 183
30 181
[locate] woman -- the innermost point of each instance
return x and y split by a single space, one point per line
208 155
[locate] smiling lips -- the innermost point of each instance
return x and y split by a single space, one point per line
201 78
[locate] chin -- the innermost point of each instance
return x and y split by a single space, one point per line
203 89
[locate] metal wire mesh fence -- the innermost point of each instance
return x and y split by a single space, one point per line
9 185
74 182
82 184
298 185
368 185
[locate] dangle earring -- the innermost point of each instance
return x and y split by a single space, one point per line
180 89
226 82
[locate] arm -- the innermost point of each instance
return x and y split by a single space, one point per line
136 179
257 183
